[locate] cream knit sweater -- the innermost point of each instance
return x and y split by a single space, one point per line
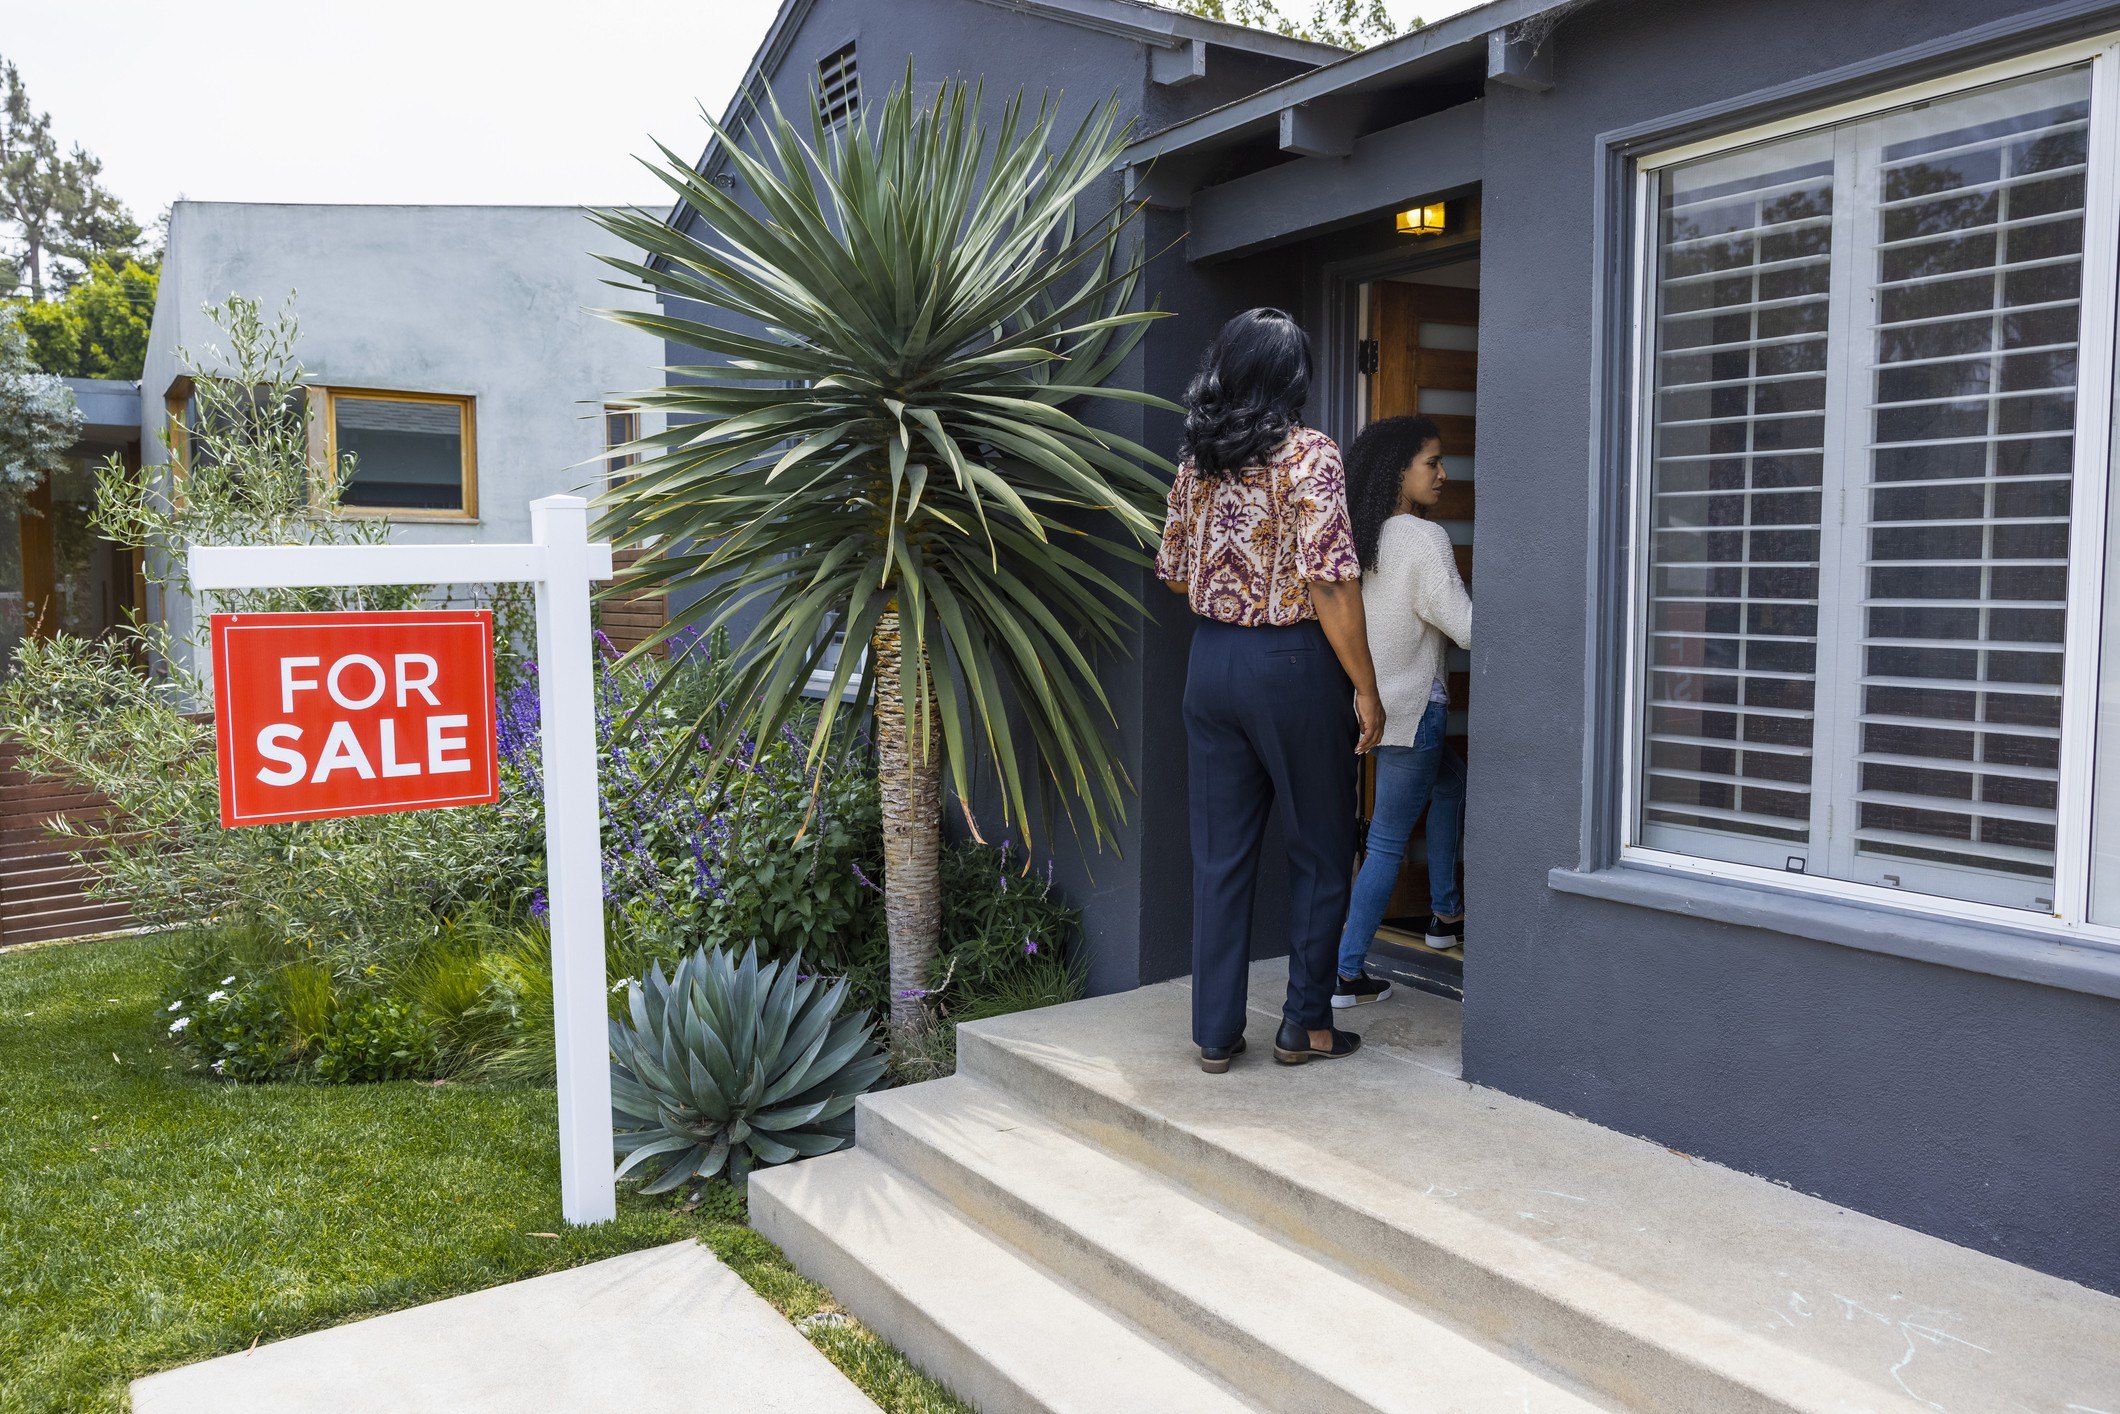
1411 600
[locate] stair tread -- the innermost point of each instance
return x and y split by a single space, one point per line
1192 1272
1039 1335
1809 1304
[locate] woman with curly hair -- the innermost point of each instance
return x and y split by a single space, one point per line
1279 691
1413 600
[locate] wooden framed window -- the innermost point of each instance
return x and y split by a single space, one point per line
621 426
415 454
1873 426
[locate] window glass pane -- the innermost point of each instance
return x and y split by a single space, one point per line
1975 252
407 455
92 577
1743 284
621 425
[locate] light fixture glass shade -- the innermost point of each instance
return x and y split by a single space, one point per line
1422 220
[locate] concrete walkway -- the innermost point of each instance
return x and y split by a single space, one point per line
670 1328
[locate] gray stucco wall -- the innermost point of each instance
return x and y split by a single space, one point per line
493 301
1978 1108
1129 890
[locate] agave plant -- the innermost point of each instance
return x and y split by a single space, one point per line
895 460
724 1066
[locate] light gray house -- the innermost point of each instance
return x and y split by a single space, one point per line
1775 345
453 350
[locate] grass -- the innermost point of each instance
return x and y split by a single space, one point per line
150 1216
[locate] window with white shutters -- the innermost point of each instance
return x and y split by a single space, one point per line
1866 351
1737 454
1960 488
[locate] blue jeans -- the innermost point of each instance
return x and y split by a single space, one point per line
1426 775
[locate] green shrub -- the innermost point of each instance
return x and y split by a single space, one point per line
798 869
374 1036
726 1066
1001 922
237 1029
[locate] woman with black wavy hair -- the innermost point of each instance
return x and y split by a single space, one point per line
1279 691
1413 602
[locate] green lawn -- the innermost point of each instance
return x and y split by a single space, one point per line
150 1217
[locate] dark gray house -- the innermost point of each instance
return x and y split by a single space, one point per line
1775 343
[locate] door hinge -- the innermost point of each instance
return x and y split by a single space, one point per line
1367 356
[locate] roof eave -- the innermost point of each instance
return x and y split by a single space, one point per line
1429 47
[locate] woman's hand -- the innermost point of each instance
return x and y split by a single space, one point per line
1339 606
1369 708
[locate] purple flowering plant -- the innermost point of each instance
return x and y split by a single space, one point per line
773 853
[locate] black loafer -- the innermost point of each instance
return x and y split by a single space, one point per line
1292 1046
1215 1059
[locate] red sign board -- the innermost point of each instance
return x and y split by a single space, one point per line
352 713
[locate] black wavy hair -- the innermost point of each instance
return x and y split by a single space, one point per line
1250 390
1376 468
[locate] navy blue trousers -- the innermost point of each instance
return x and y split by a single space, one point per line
1269 716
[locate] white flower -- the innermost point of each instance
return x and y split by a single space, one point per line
228 981
177 1005
217 1066
618 986
216 995
179 1024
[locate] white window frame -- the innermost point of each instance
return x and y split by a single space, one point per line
2094 438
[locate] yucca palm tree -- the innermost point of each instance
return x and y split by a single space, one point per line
885 449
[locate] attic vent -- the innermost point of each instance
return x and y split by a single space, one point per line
838 87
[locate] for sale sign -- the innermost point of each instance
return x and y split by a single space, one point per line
352 713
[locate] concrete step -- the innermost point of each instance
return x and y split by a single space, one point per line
996 1329
1662 1282
1287 1330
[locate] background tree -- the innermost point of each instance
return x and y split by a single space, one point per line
98 328
38 417
892 456
57 212
1350 24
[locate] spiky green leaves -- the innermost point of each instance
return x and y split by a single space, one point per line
903 317
725 1066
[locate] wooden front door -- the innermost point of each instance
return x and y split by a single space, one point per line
1427 363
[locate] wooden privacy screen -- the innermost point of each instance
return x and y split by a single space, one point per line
42 890
1427 364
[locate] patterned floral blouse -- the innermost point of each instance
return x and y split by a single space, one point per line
1247 545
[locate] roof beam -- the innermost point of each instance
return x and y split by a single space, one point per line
1427 157
1518 63
1318 129
1179 64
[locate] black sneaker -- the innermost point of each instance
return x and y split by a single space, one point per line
1445 935
1353 991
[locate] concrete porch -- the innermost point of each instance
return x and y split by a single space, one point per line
1081 1219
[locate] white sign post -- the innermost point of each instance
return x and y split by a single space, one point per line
561 564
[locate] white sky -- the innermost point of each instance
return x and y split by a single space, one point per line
435 101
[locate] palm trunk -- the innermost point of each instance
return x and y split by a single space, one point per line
910 777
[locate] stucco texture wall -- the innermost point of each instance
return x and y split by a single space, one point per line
1981 1109
1134 898
493 301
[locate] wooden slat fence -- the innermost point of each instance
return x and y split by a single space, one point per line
42 890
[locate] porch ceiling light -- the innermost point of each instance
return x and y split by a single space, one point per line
1422 220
